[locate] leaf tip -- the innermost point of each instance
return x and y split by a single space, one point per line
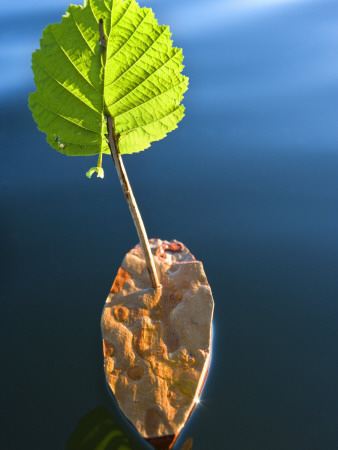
99 170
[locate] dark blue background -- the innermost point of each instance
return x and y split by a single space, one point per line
248 182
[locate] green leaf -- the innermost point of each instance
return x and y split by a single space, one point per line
136 79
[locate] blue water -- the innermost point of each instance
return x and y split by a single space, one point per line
248 182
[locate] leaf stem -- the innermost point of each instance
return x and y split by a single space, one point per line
99 160
103 42
141 231
122 174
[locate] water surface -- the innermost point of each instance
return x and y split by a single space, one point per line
248 182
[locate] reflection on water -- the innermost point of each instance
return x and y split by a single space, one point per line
248 182
98 430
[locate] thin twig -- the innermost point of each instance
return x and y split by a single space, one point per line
102 35
141 231
122 174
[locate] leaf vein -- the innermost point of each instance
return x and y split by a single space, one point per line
65 118
137 86
150 123
77 70
124 13
91 8
66 89
152 98
130 67
132 34
77 26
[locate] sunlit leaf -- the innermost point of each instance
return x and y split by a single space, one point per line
136 79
